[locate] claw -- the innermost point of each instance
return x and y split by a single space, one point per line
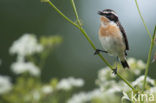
97 52
115 71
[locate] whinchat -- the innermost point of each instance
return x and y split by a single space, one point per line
113 36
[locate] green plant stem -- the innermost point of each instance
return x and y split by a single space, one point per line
143 20
89 40
65 17
149 58
76 14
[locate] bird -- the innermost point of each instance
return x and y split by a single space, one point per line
113 37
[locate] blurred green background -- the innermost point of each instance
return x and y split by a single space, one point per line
74 57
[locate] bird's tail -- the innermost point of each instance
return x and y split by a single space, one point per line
124 63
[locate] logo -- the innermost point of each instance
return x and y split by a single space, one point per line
148 97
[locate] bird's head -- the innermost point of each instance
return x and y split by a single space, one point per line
108 14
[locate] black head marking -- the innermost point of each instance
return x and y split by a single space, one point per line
110 14
108 10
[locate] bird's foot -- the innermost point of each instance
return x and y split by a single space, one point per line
97 51
115 71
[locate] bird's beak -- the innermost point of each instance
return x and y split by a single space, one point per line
100 13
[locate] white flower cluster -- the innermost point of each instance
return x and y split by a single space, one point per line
106 78
109 90
136 65
5 84
106 81
152 90
38 94
109 85
105 74
139 81
89 97
141 64
47 89
85 97
69 83
20 67
112 86
131 61
26 45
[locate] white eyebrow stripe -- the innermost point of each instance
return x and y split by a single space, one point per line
110 12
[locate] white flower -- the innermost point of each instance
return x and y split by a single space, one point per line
83 97
79 98
105 74
67 84
139 81
152 90
97 94
87 97
105 79
107 84
20 67
5 84
131 61
114 89
36 95
26 45
47 89
141 64
33 95
137 71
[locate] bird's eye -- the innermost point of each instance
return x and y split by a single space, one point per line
109 16
112 17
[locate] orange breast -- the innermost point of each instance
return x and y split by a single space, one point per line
109 31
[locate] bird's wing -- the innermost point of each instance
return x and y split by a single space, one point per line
124 35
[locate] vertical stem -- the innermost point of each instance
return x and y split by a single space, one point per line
149 58
65 17
76 14
143 20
